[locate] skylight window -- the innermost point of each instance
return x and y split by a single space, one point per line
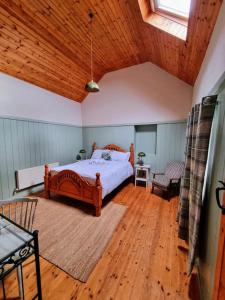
178 8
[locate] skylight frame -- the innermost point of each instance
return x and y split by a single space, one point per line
168 11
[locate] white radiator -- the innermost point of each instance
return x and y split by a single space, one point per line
31 176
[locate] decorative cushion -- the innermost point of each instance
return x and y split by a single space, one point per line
106 155
161 180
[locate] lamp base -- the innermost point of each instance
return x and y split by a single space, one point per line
140 162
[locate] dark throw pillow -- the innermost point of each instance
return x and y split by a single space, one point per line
106 156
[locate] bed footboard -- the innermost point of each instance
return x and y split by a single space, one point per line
69 183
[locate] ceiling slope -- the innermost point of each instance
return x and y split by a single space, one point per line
46 42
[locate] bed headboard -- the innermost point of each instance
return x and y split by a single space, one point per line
117 148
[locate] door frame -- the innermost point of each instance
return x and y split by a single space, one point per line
220 256
219 87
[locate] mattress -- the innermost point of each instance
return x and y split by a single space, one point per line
112 173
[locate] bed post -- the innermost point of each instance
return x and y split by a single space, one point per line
98 199
94 147
132 154
46 181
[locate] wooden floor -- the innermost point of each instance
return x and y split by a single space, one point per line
144 260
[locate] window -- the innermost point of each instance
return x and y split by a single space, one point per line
177 8
170 16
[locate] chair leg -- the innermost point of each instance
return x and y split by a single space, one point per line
3 289
152 188
20 281
169 194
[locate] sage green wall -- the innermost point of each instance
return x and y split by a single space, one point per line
170 141
103 135
27 143
146 138
170 145
211 213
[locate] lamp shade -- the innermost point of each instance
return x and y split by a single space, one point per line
141 154
82 151
92 87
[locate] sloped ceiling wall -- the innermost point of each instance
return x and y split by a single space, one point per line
19 99
138 94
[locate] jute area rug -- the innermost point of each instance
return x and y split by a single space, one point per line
71 237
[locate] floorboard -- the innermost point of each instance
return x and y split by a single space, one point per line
144 260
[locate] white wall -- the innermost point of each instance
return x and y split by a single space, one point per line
213 66
138 94
21 99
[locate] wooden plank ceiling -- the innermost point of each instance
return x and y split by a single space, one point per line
46 42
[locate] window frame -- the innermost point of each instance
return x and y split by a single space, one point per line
166 12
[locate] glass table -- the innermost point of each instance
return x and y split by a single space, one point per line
16 245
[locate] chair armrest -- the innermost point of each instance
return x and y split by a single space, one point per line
154 173
174 179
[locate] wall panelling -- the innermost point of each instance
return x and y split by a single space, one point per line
26 143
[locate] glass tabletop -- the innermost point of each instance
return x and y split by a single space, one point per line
12 237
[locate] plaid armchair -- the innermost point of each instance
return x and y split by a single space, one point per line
169 180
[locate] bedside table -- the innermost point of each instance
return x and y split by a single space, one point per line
142 173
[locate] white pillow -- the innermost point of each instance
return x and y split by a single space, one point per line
120 156
98 153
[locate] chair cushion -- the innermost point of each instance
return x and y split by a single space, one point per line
161 180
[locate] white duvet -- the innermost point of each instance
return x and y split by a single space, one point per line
112 173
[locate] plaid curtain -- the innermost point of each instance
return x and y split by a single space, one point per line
198 136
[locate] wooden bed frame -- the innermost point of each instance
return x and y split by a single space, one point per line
71 184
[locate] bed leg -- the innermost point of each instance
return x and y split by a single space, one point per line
46 182
132 179
97 211
98 196
47 194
